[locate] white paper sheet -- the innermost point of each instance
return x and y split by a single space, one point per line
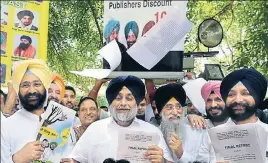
239 143
133 144
158 41
112 54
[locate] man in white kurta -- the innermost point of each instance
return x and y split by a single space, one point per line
30 79
100 140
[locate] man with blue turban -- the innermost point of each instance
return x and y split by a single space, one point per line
131 33
111 30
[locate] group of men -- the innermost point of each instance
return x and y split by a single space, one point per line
234 101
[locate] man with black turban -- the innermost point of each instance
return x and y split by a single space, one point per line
100 140
131 33
169 100
242 91
25 48
26 18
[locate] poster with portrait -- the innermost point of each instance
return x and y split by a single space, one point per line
24 32
55 131
127 21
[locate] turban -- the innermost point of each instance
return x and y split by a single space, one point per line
193 92
254 81
147 27
132 25
134 84
23 13
56 78
209 87
110 26
2 38
165 93
37 67
26 38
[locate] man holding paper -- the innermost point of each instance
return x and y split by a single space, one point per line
100 140
182 139
31 80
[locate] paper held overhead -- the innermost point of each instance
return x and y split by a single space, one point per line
112 54
158 41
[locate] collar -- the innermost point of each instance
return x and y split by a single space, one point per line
30 115
112 123
27 27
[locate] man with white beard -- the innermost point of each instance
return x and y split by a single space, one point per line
182 139
100 140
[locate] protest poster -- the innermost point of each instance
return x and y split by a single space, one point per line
128 21
239 143
54 132
24 33
133 144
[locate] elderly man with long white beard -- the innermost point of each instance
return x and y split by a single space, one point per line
100 140
182 139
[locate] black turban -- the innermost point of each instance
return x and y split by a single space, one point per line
23 13
134 84
254 81
165 93
26 38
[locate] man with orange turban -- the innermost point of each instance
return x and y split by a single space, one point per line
56 89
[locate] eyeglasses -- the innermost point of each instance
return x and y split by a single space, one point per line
36 84
170 107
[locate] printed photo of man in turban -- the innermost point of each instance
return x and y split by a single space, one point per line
25 18
111 30
3 41
147 27
131 33
25 48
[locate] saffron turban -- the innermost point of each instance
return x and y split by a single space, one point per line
253 80
56 78
110 26
133 83
35 66
166 92
209 87
132 25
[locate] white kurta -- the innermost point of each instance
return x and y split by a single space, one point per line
16 131
191 141
99 141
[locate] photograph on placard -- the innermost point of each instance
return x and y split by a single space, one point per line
3 73
131 33
26 19
4 14
25 46
3 42
147 27
111 30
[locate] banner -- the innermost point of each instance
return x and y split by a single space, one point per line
55 131
24 33
128 21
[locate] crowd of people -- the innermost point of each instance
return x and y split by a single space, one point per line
180 115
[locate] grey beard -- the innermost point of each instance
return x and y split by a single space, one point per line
169 127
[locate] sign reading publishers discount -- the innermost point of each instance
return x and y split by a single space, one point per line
127 21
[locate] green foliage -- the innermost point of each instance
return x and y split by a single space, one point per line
75 35
102 101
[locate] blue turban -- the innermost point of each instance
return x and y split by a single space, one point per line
134 84
2 38
110 26
132 25
253 80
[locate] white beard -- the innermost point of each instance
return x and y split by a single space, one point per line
168 127
124 117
